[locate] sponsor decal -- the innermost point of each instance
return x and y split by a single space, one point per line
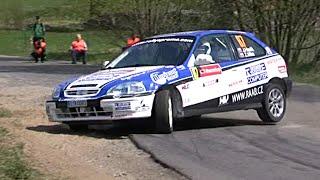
256 73
207 70
195 73
165 40
162 78
241 41
255 69
210 83
258 77
249 93
282 69
273 60
210 70
223 100
185 86
104 75
122 106
246 52
235 83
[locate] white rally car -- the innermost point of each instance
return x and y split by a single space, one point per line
174 76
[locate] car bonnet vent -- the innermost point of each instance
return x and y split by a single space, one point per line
84 85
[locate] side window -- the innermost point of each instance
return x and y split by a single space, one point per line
217 47
246 47
221 48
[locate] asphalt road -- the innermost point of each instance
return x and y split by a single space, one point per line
233 145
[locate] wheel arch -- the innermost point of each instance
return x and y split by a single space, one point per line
279 81
176 100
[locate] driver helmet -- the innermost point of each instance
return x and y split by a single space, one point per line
205 48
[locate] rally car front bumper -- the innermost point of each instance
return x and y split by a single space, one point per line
100 110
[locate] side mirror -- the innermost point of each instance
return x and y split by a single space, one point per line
105 64
203 59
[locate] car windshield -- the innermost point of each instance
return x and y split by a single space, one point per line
155 52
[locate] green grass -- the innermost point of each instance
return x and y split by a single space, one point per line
50 10
5 113
102 45
54 11
12 162
305 74
3 132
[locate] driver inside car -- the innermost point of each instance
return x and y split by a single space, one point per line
203 54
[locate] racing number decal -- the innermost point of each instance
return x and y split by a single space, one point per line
195 73
241 41
206 70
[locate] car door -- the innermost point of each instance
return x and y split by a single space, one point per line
209 82
246 77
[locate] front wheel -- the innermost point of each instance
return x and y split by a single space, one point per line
273 105
163 113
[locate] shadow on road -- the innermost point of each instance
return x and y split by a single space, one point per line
208 123
124 129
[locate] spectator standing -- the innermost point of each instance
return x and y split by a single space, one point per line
38 30
79 49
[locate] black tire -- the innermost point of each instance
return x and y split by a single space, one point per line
77 127
163 113
273 104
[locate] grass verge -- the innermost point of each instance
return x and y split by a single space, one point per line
305 74
5 113
102 45
12 162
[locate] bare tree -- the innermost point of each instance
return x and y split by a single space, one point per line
287 25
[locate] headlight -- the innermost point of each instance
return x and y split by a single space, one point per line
128 88
56 93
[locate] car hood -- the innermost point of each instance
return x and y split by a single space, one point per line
100 78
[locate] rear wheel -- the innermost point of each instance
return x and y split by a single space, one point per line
163 112
273 105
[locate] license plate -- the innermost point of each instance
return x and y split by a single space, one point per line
122 106
77 103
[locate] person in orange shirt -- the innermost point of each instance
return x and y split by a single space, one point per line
79 49
39 50
132 40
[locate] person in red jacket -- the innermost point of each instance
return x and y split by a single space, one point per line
132 40
79 49
39 50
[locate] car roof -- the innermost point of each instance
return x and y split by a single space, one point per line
199 33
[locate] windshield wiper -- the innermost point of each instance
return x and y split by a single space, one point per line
136 65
